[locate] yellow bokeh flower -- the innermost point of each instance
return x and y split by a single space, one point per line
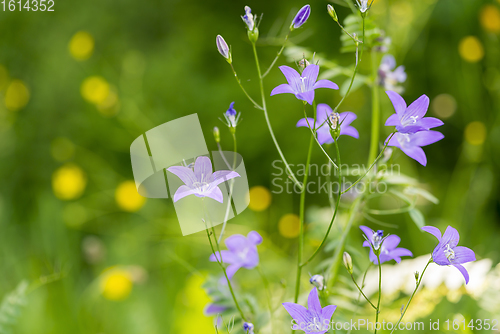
95 89
471 49
191 302
128 198
69 182
490 18
17 95
444 105
109 107
260 198
475 133
116 283
81 45
289 225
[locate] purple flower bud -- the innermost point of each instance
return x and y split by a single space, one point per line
301 17
223 48
248 327
248 18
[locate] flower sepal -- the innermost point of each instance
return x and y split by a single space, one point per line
253 35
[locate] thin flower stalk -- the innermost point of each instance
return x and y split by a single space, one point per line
277 56
231 185
361 291
244 90
377 310
375 131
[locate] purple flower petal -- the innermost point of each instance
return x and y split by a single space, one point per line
303 122
292 76
389 61
324 137
301 17
394 140
346 118
224 256
397 101
450 237
313 304
254 237
232 269
327 311
297 312
349 131
463 271
424 138
323 111
368 232
433 230
439 256
182 192
214 193
281 89
310 75
203 169
185 174
416 153
306 96
418 108
236 243
222 176
399 74
213 309
430 122
391 242
323 83
393 120
463 255
251 258
401 252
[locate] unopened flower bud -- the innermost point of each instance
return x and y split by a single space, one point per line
216 134
253 35
318 281
303 63
348 262
416 275
334 122
301 17
223 48
248 327
332 12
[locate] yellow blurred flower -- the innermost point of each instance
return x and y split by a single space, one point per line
109 107
95 89
260 198
471 49
17 95
81 45
289 225
116 283
475 133
4 77
128 198
490 18
69 182
444 105
192 300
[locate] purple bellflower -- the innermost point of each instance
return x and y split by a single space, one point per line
391 76
232 116
248 18
448 253
302 85
248 328
241 253
301 17
388 246
323 127
200 180
411 119
410 143
315 319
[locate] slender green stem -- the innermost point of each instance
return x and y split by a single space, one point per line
334 213
377 310
362 293
231 185
277 56
243 89
268 293
373 164
264 108
413 294
359 295
375 111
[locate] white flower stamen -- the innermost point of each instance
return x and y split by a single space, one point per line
449 253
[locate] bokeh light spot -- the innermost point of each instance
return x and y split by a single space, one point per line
116 284
444 106
289 225
127 197
471 49
68 182
475 133
17 95
191 302
490 18
95 89
260 198
81 45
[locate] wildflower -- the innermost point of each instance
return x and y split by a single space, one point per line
213 309
248 328
389 75
223 48
324 125
332 12
248 18
302 86
410 143
363 5
200 180
386 246
315 319
448 253
318 281
241 253
301 17
232 116
411 119
348 262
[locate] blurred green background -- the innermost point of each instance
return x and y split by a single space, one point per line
79 84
